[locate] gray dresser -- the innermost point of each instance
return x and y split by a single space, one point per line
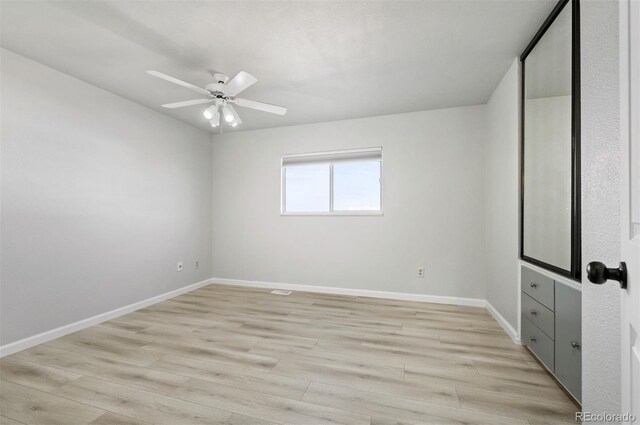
551 314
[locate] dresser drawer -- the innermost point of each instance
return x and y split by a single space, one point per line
538 342
539 287
539 315
568 356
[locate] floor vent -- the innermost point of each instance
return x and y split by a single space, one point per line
280 292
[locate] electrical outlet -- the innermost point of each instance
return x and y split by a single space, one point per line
420 272
197 264
180 266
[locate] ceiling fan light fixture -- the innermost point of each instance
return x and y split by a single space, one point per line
228 115
210 111
236 118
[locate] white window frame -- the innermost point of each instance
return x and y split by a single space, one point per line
331 212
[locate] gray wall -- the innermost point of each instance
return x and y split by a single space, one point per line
100 198
502 196
600 203
433 207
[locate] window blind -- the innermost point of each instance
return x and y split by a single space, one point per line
368 154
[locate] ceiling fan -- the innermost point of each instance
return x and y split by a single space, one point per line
222 93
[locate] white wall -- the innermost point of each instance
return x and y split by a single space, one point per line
433 207
600 203
502 196
100 198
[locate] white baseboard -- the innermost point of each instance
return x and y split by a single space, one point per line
43 337
513 334
473 302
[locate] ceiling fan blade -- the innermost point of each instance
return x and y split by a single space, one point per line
186 103
239 83
178 82
265 107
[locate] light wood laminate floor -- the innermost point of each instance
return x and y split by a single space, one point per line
234 355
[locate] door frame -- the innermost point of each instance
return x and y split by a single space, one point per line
629 102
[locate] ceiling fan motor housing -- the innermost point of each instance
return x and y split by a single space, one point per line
220 77
215 88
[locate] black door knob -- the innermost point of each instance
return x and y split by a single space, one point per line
598 273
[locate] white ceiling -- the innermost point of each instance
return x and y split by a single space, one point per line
324 60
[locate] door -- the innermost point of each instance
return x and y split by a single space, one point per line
630 203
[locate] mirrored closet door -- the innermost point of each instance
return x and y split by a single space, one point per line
550 169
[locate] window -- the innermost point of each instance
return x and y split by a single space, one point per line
344 182
307 188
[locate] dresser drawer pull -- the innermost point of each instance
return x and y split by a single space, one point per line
575 344
533 313
533 339
533 285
